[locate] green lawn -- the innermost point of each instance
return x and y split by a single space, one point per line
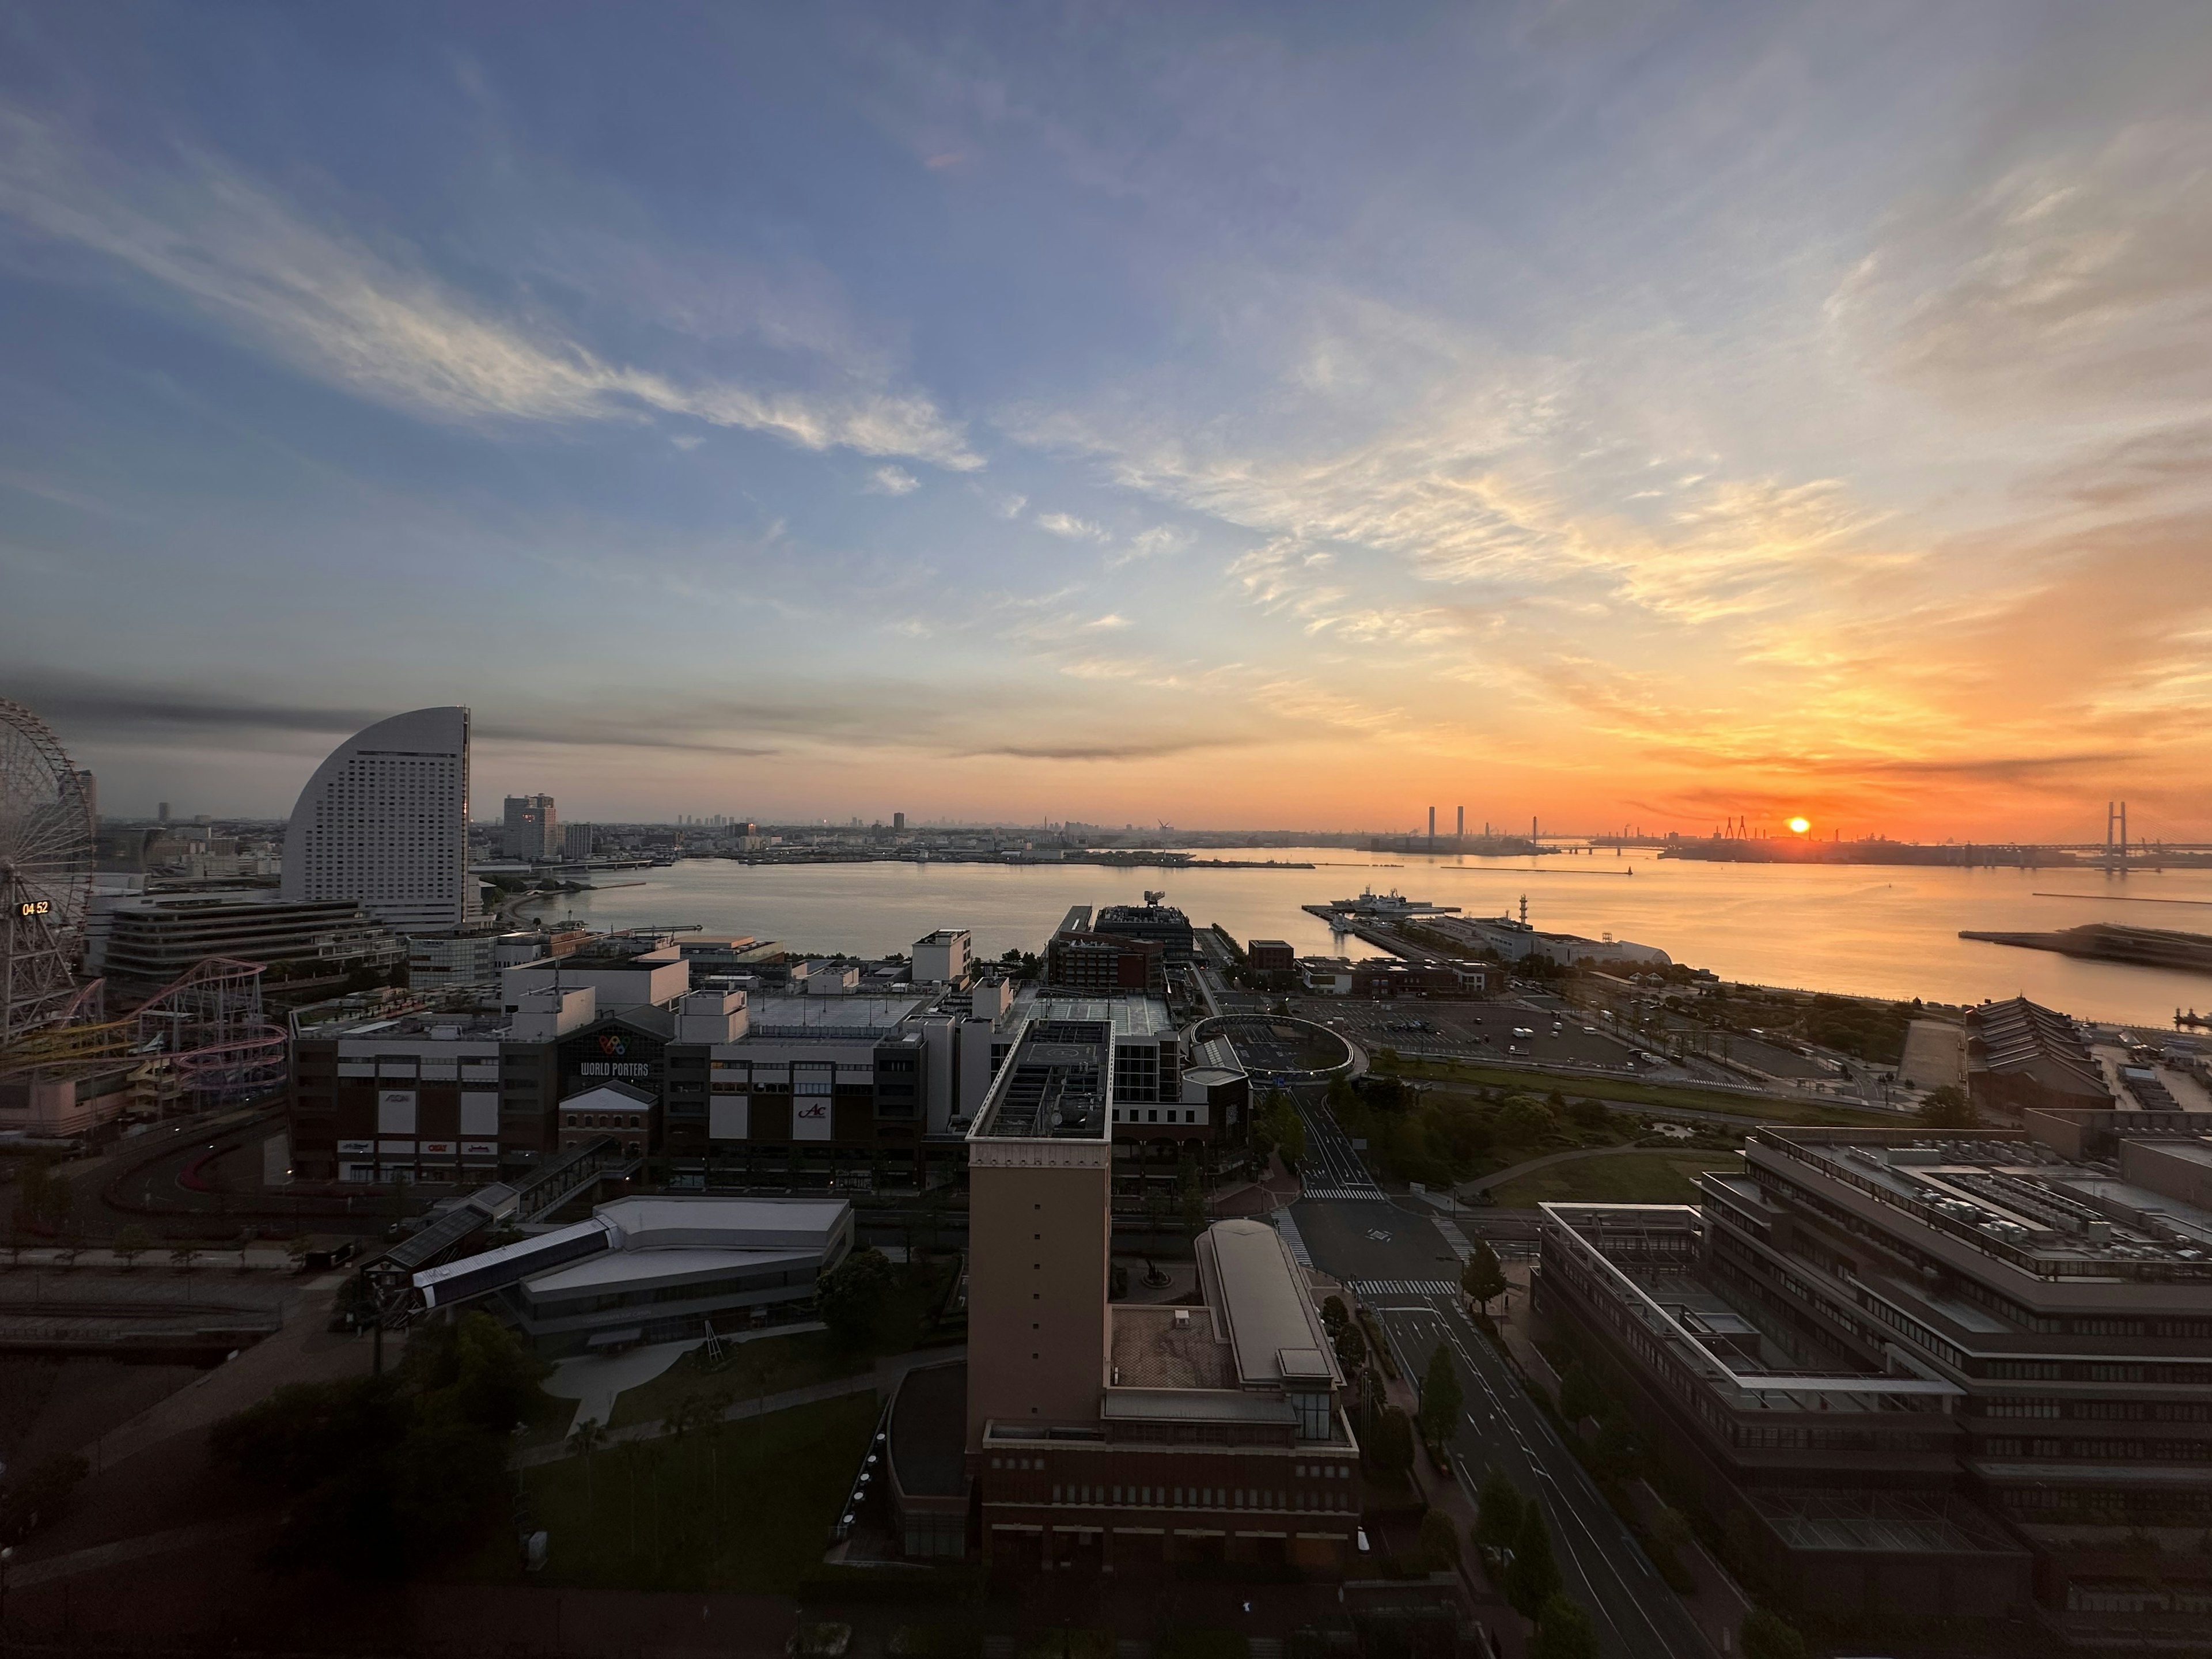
1752 1107
768 1364
747 1508
1617 1178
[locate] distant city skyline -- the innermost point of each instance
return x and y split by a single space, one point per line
1242 418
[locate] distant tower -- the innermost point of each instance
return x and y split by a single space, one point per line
531 829
1432 829
385 821
1459 833
161 816
898 822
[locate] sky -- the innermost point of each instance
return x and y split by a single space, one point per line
1229 416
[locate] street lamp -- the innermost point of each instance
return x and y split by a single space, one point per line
6 1556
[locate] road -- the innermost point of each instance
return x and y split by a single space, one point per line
1340 1172
1401 1265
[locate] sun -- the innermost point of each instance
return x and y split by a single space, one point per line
1799 826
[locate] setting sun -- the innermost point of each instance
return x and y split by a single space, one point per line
1799 826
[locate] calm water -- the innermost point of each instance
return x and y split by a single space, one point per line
1866 930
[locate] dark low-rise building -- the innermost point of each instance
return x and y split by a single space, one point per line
1955 1375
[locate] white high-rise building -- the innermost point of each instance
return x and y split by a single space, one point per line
385 821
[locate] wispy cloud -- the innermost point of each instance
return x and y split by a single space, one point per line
893 481
374 318
1073 528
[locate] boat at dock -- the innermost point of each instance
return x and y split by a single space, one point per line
1371 906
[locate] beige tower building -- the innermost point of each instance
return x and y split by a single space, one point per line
1102 1436
1041 1164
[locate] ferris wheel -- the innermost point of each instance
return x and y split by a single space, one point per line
46 873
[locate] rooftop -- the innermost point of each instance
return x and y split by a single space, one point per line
1647 1255
1054 1085
1152 1349
630 1270
1261 1297
2013 1200
1133 1015
848 1017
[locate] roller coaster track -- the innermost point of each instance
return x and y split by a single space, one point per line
207 1027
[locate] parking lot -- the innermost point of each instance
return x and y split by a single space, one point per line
1558 1035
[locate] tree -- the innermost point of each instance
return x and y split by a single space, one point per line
183 1254
131 1243
381 1474
1768 1635
1441 1396
1578 1395
1277 1127
1588 1114
1498 1512
1947 1107
1613 1457
1334 1314
1482 1279
1563 1631
1390 1442
1533 1578
1351 1347
1439 1539
1522 1122
851 1295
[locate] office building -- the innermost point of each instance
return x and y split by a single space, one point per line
530 829
476 956
1159 924
578 841
1079 959
385 822
1272 956
1959 1377
658 1269
943 957
150 939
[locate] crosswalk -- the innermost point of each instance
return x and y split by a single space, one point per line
1365 1288
1373 1193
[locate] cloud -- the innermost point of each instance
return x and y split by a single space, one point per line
892 481
1110 620
1158 542
1068 526
375 320
2076 273
1010 506
1157 748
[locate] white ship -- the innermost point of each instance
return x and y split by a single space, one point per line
1388 907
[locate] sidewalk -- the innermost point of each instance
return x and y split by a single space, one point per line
302 1351
1447 1492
